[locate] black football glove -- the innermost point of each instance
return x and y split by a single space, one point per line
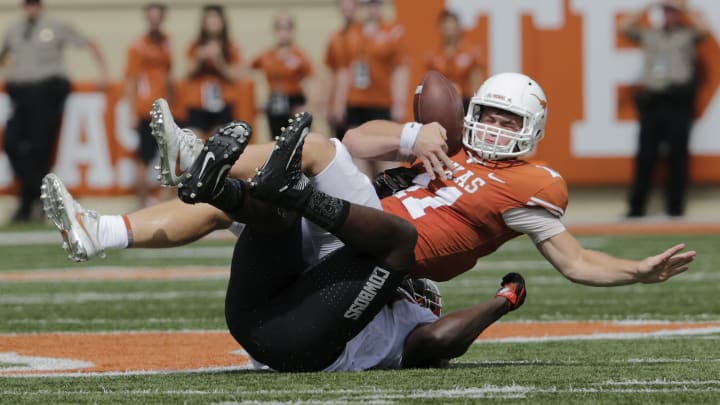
393 180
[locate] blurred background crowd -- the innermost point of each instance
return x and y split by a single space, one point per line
346 61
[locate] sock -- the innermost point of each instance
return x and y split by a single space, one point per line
114 232
231 197
326 211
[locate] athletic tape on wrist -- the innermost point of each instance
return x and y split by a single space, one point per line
409 136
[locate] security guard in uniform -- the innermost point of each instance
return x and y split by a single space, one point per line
37 84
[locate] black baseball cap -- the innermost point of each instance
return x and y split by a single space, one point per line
27 2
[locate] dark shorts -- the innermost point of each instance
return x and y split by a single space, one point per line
357 116
147 146
278 120
206 120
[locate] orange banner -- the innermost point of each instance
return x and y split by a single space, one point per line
572 48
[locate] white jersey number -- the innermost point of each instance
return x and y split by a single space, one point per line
445 196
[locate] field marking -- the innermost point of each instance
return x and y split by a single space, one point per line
374 395
17 238
525 332
107 273
84 297
194 351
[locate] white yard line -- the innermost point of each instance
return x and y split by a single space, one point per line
50 237
367 394
85 297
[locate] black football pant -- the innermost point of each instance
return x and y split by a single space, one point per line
664 117
294 318
31 134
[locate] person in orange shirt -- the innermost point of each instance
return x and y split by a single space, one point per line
214 68
460 61
285 67
338 80
147 77
377 72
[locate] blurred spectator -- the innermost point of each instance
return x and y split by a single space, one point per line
37 84
460 61
375 73
285 67
666 100
375 62
214 70
147 77
338 83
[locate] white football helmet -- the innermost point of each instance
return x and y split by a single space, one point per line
513 92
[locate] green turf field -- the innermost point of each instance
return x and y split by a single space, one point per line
632 368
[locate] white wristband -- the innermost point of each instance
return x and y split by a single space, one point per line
409 136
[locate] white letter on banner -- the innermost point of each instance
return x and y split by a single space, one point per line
129 139
704 139
84 113
605 68
505 47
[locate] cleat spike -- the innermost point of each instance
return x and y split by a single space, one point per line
193 195
199 183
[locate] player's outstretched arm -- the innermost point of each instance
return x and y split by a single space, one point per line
595 268
434 344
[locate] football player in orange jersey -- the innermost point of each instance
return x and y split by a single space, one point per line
487 197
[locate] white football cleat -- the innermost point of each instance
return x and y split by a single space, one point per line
78 226
178 147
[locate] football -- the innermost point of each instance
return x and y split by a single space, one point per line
437 99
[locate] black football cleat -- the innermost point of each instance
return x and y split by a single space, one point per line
512 288
281 180
205 179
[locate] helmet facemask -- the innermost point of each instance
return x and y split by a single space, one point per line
494 142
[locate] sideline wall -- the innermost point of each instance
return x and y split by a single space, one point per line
570 46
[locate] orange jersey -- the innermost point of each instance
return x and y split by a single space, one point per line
371 59
334 53
458 66
284 70
200 89
148 63
460 220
